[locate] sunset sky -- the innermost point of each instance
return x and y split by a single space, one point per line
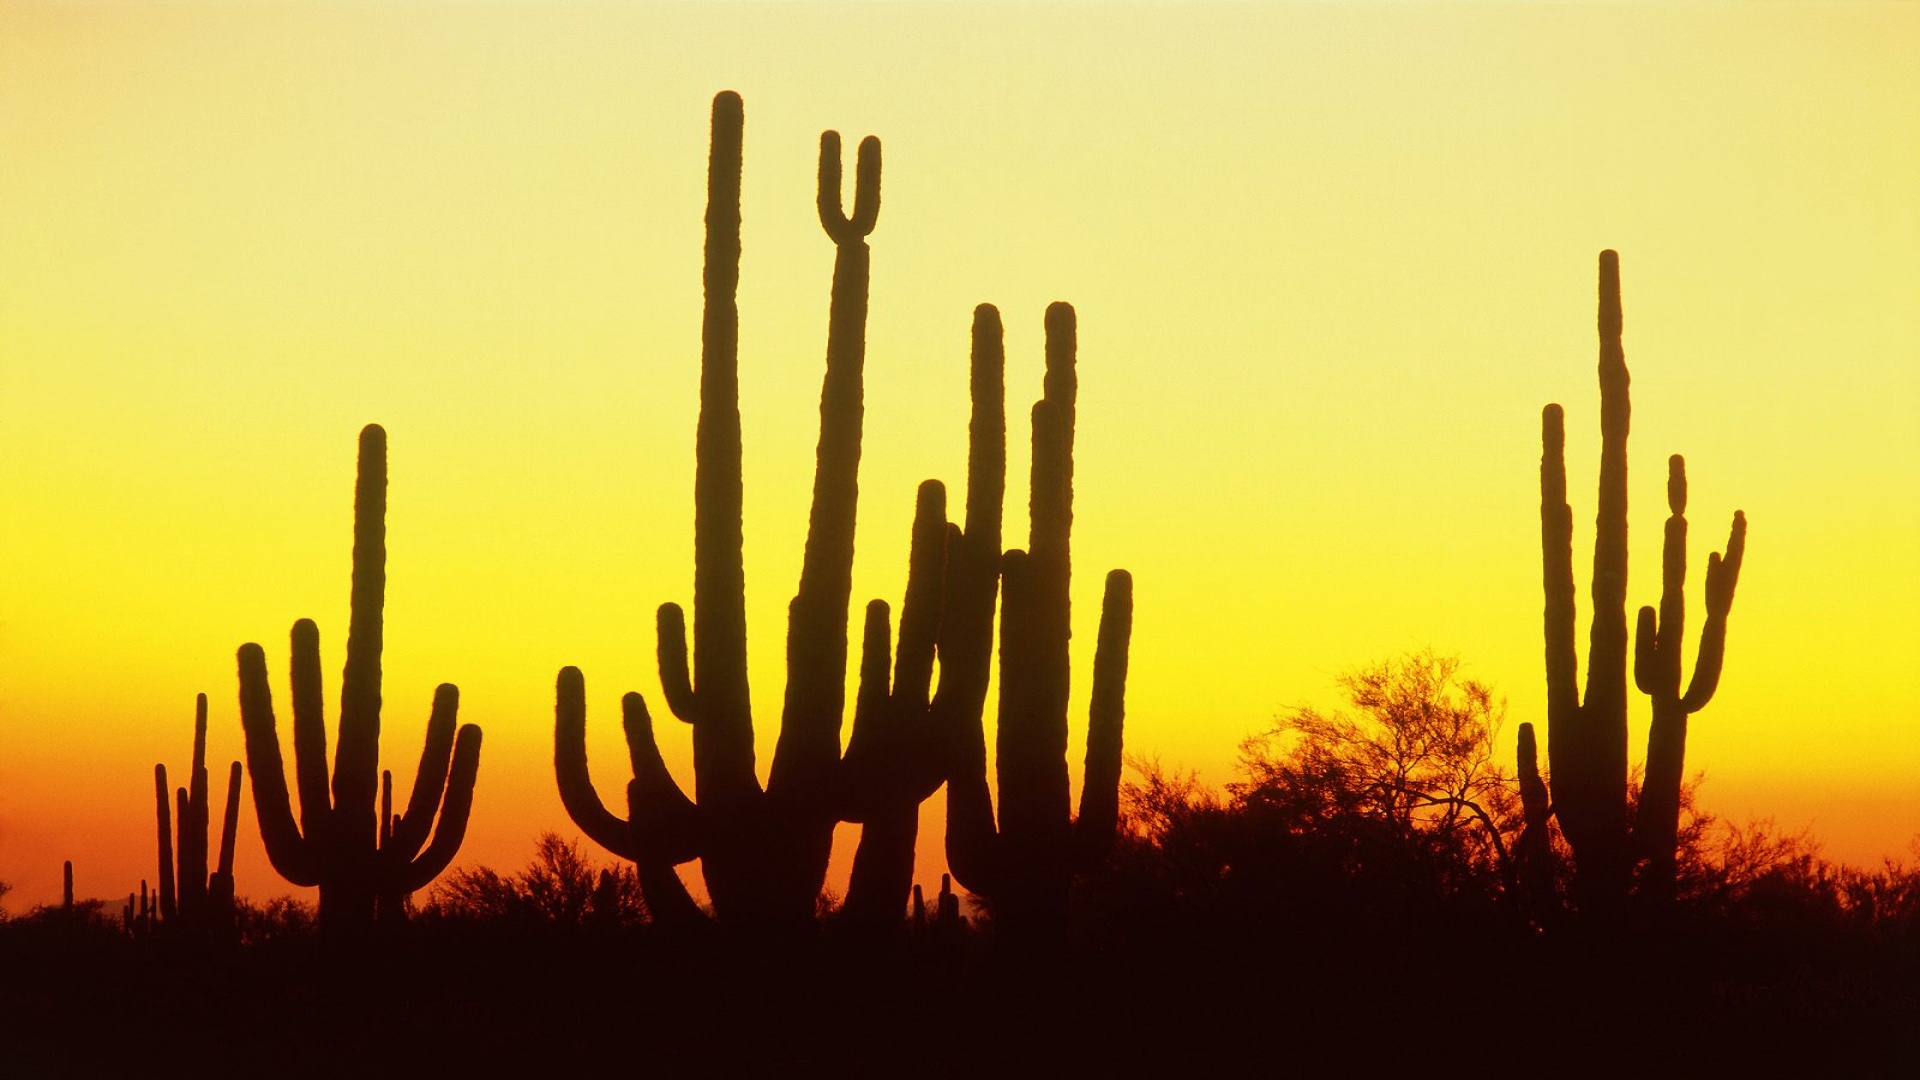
1330 261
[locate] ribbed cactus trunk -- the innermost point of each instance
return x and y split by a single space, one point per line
1025 861
364 861
1587 740
1658 642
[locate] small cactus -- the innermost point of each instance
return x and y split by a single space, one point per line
190 896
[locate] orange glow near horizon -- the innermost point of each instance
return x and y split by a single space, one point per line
1329 263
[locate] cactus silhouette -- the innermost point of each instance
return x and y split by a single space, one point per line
202 901
1024 861
365 860
1587 739
764 851
1656 671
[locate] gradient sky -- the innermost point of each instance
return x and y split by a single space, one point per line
1330 261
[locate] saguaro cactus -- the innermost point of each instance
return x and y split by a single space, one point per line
1656 671
364 860
763 852
204 901
1025 861
1587 740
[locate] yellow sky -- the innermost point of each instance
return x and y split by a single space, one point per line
1330 261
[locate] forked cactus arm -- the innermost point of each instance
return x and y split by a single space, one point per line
1106 720
1723 574
451 830
866 189
292 856
577 794
430 779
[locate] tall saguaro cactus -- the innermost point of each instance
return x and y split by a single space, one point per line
1024 861
365 861
1587 739
764 851
1656 671
204 901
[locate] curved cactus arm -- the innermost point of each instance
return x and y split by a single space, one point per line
451 830
310 730
577 794
668 828
668 902
291 854
1723 575
1100 791
230 821
410 830
670 629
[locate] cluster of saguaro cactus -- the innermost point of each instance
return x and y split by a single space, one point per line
1587 739
764 851
365 859
1024 862
202 901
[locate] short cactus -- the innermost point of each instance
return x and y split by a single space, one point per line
201 901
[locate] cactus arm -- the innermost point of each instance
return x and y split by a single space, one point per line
1723 575
723 739
866 189
1556 545
1646 651
230 820
668 902
577 794
291 854
430 779
668 830
310 730
356 763
922 608
163 810
451 830
670 629
1100 789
